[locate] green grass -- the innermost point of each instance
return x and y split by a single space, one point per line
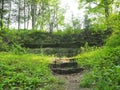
104 68
103 65
90 58
25 72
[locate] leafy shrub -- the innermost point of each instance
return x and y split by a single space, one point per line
104 65
17 49
5 47
104 68
114 40
114 55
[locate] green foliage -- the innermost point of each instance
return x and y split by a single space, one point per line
104 68
91 58
103 64
24 72
97 23
99 12
67 38
10 38
87 81
17 49
114 55
15 41
5 47
114 40
116 19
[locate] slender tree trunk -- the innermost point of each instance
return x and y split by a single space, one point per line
24 15
19 15
86 22
2 9
42 15
52 21
9 17
28 17
106 10
51 27
56 17
33 15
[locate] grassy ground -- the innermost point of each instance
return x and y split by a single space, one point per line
104 68
25 72
31 71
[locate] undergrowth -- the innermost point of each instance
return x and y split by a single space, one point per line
25 72
103 65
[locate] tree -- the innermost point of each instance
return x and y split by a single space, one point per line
86 22
24 15
5 11
19 11
9 15
1 24
44 14
2 9
101 6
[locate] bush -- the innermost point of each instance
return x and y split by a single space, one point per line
17 49
114 40
104 65
104 68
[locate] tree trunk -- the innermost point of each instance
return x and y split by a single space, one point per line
19 15
51 27
106 10
2 9
28 12
52 21
24 15
9 17
33 15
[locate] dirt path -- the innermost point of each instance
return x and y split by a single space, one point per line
71 81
